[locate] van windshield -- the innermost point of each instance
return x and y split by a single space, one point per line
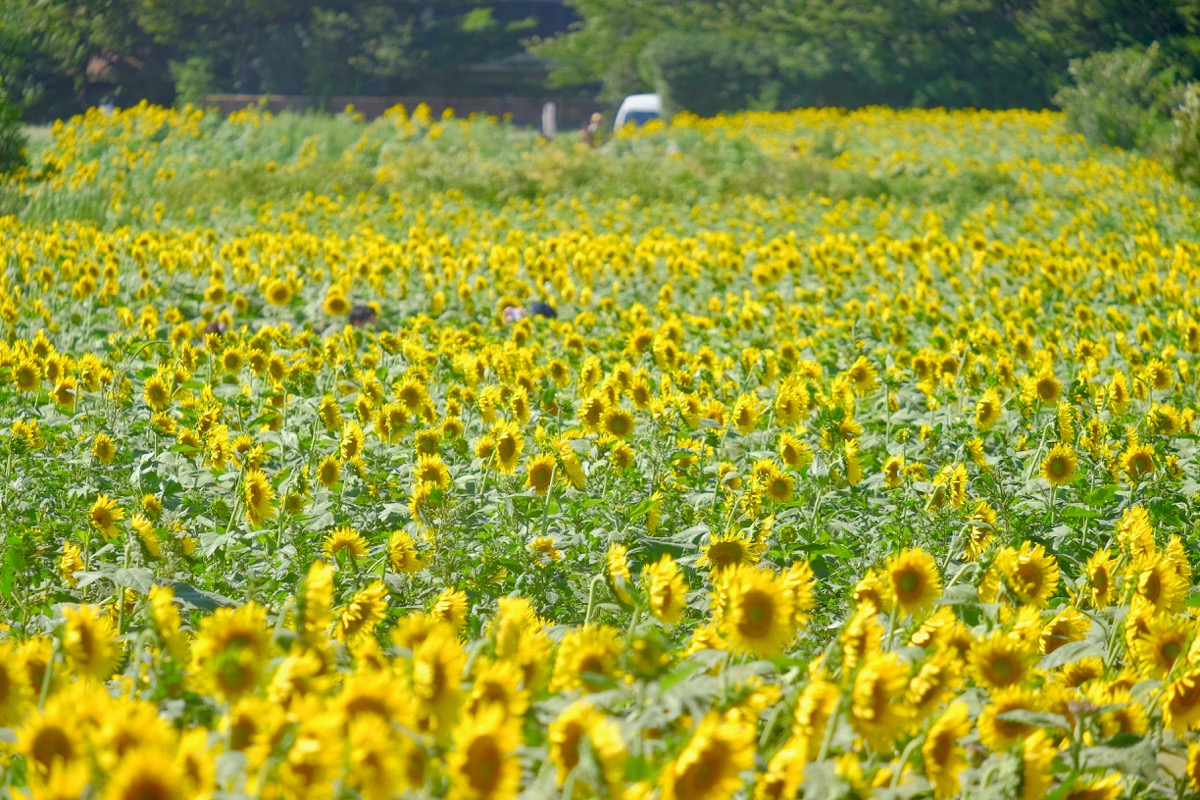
640 117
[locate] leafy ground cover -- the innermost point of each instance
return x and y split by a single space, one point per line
860 460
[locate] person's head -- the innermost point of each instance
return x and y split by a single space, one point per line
362 315
543 309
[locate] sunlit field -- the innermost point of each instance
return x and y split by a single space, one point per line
860 459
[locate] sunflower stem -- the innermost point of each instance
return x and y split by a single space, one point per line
908 749
47 675
827 740
592 598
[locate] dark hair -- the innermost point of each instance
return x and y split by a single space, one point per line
361 315
543 309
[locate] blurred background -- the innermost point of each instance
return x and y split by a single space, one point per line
58 57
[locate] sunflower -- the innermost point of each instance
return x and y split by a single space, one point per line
798 583
1030 573
27 375
914 581
862 376
942 753
893 471
999 734
792 451
508 447
784 773
451 608
666 590
746 412
259 497
731 549
617 422
879 711
540 472
514 615
872 592
1047 388
365 610
1060 464
376 767
278 292
483 763
1037 753
566 736
758 614
1107 788
230 651
1165 639
14 691
70 562
496 683
50 740
1068 625
776 484
105 515
1100 570
89 641
617 572
987 410
436 680
861 636
545 550
352 441
815 708
147 535
587 658
621 455
329 472
1001 660
145 774
1137 462
1159 586
934 681
318 601
345 539
711 766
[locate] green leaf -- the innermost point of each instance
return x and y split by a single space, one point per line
1039 719
1071 651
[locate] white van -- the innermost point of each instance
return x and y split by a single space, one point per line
638 109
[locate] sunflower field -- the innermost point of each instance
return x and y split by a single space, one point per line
860 460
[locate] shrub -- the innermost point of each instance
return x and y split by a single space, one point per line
12 136
1183 151
1120 98
711 73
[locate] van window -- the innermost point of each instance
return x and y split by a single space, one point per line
640 117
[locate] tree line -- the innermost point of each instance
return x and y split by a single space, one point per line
709 57
58 56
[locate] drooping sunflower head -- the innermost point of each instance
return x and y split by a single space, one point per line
726 550
345 539
914 581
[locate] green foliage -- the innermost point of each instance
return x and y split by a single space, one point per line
1120 98
193 79
711 73
1183 150
12 137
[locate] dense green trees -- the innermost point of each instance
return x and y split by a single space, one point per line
987 53
61 55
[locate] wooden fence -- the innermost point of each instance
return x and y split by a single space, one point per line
573 112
